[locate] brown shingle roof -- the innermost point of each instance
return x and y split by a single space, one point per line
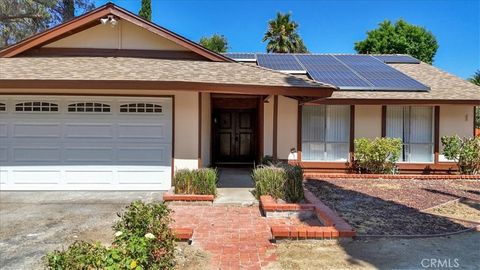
443 86
142 69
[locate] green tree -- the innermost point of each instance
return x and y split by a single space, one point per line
400 38
475 79
20 19
146 10
282 35
216 43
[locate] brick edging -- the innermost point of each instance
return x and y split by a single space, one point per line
169 197
316 176
182 233
268 204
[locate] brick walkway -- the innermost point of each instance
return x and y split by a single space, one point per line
236 237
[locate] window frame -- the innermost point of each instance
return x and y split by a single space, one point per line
76 104
325 141
4 106
24 104
129 106
405 156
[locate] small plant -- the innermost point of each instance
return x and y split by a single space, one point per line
200 181
266 160
143 240
294 183
464 151
377 156
282 181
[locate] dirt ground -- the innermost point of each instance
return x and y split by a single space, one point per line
394 207
463 209
380 253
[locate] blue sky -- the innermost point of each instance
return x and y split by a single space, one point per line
326 26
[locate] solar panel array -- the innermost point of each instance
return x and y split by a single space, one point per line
348 72
397 59
284 62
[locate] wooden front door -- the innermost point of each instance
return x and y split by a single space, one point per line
234 135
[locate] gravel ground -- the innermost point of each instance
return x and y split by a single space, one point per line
463 209
391 207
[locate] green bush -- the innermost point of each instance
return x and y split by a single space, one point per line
466 152
200 181
281 181
377 156
143 240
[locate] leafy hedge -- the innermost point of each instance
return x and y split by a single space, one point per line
143 240
281 181
199 181
377 156
464 151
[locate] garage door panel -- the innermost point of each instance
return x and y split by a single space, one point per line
88 154
66 150
86 177
36 154
37 130
143 131
35 177
156 155
89 130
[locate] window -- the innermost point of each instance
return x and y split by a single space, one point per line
36 106
140 108
414 126
3 107
325 132
88 107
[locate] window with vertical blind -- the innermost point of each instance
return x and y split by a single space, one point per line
414 126
325 132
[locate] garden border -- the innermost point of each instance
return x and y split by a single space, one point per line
317 176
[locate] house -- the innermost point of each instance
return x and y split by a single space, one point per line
109 101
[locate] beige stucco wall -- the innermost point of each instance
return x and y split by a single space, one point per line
287 126
206 129
268 127
455 120
124 35
368 121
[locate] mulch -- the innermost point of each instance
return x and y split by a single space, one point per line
393 207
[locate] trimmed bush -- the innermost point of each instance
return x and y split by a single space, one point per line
199 181
281 181
377 156
464 151
143 240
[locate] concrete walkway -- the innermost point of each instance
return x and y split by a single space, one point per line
235 186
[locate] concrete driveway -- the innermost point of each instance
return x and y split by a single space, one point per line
33 223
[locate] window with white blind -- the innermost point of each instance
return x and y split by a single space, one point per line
325 132
414 126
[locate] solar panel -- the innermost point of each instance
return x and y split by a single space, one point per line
379 74
327 69
241 56
284 62
398 59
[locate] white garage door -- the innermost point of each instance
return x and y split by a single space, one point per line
85 143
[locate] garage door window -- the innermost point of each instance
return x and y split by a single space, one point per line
3 107
89 107
140 108
36 106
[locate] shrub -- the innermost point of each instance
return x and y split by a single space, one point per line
200 181
281 181
143 241
378 155
466 152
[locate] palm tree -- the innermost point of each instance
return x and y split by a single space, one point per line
282 36
475 79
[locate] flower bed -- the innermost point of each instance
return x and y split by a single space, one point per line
198 185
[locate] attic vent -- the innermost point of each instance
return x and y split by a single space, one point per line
36 106
140 108
89 107
3 107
